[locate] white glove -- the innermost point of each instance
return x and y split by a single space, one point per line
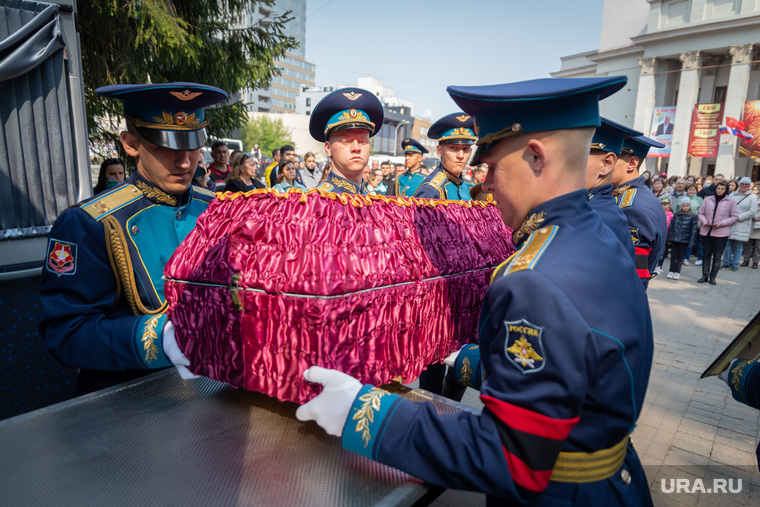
174 354
330 408
724 374
451 359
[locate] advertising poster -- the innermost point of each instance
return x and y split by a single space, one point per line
662 130
704 138
751 147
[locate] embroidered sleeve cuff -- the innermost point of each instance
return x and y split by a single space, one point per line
366 420
468 367
738 380
148 336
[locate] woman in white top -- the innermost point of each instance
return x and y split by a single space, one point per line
375 184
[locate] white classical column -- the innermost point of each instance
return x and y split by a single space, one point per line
736 95
645 97
688 93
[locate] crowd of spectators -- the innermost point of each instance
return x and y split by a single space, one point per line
238 171
710 218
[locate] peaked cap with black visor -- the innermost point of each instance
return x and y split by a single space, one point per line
169 115
639 146
610 135
347 108
454 128
537 105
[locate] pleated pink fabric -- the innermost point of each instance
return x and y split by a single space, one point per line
373 286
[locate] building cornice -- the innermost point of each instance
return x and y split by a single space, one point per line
575 71
616 53
710 28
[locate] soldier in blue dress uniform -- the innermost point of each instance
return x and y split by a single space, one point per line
646 218
563 358
409 181
345 120
606 147
102 288
743 378
456 135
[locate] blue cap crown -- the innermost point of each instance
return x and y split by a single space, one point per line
413 146
455 128
170 115
639 146
347 108
610 136
537 105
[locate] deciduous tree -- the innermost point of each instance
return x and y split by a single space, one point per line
204 41
267 132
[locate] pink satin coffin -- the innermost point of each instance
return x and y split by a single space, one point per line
372 286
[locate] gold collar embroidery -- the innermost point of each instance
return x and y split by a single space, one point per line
157 194
620 190
529 225
456 181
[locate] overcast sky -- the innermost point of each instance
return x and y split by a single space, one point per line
419 47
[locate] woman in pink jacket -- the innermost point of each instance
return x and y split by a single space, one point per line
716 215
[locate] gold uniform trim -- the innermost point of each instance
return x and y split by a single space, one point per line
204 191
513 129
356 200
466 372
529 225
152 192
532 250
584 467
619 190
102 206
627 198
366 413
149 338
501 268
438 180
183 121
121 264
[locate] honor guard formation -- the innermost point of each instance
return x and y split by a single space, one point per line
565 343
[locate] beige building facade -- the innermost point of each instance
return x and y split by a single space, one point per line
677 54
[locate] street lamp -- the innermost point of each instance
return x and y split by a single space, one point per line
395 138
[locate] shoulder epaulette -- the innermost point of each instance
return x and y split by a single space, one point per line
110 201
438 180
325 187
626 199
535 246
204 191
501 268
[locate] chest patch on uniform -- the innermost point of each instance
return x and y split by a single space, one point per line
635 236
523 346
61 257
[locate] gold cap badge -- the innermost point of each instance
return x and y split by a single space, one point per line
186 95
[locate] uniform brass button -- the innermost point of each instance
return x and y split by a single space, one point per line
135 230
134 190
625 476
